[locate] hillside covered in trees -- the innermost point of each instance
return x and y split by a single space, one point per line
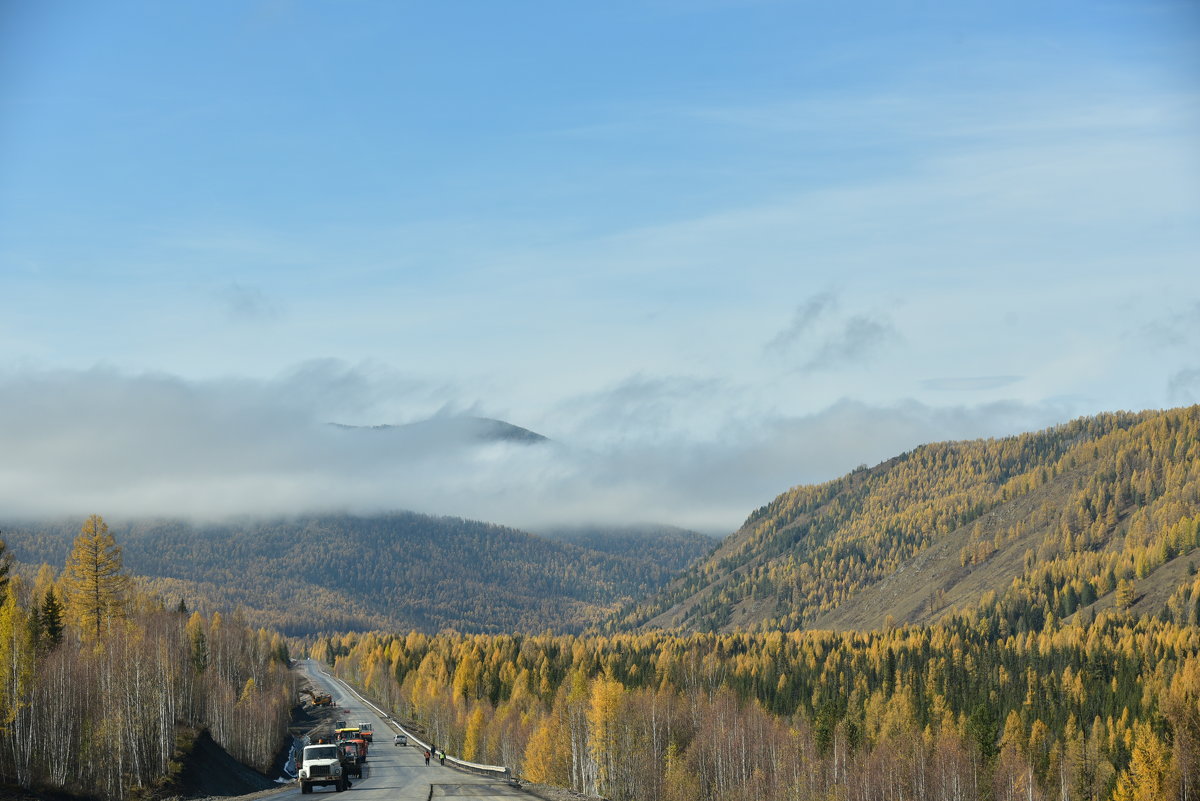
1028 528
347 573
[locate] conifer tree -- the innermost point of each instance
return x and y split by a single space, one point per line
6 561
94 580
1124 594
51 619
35 624
1149 769
198 642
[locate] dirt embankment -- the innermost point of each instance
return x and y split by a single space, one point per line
209 770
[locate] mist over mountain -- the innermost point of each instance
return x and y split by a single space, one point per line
137 446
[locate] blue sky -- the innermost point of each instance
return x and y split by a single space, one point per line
718 248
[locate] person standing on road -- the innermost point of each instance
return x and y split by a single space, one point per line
442 756
427 757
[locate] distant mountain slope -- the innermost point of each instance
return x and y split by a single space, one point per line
470 429
670 548
394 571
1020 529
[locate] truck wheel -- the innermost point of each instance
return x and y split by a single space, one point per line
305 787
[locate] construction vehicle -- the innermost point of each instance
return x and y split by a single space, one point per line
317 699
352 735
353 758
346 733
321 766
366 732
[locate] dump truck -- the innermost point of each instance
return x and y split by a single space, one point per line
353 758
365 731
353 735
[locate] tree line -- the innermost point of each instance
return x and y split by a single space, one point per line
103 686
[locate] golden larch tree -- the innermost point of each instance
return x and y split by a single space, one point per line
1150 773
94 579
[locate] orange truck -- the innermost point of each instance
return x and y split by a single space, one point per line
353 735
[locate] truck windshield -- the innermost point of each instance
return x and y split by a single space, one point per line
322 752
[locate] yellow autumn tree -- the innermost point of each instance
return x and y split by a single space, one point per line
1125 594
546 760
680 782
603 740
474 736
16 659
94 579
1149 774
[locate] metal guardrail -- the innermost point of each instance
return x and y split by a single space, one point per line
488 770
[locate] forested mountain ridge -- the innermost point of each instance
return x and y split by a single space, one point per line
403 570
1039 524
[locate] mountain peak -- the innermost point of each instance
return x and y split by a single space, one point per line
479 429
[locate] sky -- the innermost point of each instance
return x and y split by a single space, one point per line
711 248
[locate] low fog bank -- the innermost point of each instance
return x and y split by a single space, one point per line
138 446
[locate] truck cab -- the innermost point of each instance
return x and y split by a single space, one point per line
321 765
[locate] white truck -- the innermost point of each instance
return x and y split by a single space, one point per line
322 765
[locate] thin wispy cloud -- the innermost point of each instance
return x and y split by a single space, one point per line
819 337
243 303
858 339
637 408
1184 386
808 313
1178 328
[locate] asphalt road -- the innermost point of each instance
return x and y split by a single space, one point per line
396 772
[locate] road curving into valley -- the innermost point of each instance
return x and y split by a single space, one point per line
397 773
